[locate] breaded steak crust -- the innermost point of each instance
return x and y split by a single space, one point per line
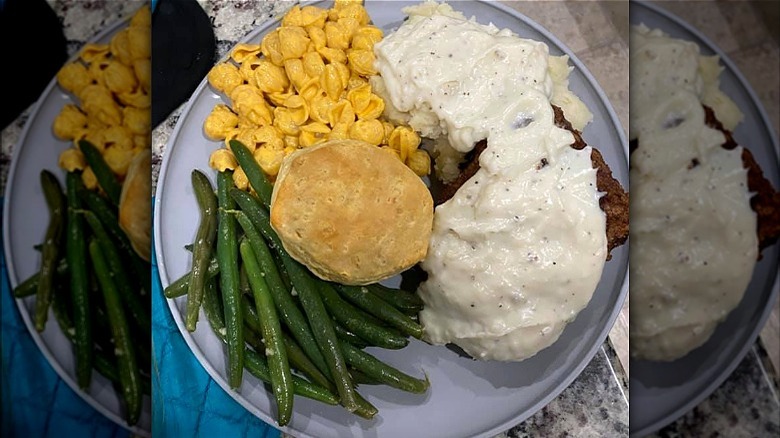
766 201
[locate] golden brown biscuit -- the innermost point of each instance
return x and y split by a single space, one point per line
351 212
135 209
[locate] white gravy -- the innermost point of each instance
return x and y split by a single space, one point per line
693 233
519 249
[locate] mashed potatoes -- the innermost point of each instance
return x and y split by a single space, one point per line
408 108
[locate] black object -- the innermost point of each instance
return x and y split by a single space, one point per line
183 52
33 48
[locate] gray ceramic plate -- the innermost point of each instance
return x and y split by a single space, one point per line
466 397
25 220
663 392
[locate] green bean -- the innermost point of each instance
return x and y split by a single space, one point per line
347 336
212 307
281 376
302 363
321 325
254 173
322 328
103 363
255 363
129 376
179 287
105 366
263 372
298 358
227 257
355 321
123 284
55 200
76 255
381 372
258 214
292 316
360 378
107 214
104 175
258 367
30 286
59 307
243 280
204 243
364 408
405 301
277 259
364 299
101 327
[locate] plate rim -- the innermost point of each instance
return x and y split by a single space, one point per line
775 288
10 268
501 427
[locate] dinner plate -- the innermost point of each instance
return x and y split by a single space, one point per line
466 398
663 392
25 220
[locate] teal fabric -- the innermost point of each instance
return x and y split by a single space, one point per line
35 401
187 402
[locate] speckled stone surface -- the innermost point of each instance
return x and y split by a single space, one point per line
745 406
593 406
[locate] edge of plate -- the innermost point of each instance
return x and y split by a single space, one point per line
21 307
737 359
496 429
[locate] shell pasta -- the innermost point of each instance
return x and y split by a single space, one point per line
111 84
307 82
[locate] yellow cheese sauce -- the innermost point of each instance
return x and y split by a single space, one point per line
519 249
693 233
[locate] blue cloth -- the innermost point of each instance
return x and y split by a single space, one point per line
186 400
35 401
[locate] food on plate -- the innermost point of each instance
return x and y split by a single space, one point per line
304 132
350 212
319 197
519 248
135 214
111 83
96 280
106 333
282 317
304 84
702 210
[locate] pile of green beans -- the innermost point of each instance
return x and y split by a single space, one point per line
93 282
295 332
